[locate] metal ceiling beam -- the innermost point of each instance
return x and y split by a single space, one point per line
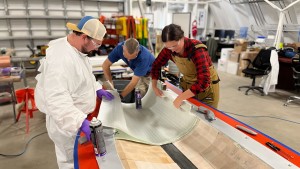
247 1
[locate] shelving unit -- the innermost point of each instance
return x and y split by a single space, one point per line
36 22
112 38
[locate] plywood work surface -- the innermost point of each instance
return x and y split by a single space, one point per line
208 148
142 156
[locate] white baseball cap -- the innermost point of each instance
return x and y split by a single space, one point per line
89 26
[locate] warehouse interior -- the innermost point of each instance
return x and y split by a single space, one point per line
233 41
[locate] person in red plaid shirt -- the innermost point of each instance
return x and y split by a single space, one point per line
200 79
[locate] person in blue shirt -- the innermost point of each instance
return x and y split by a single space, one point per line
138 58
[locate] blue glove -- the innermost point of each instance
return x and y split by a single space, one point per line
85 127
105 93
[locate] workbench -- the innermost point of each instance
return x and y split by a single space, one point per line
21 63
9 81
220 144
114 69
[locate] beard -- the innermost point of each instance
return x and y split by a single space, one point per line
89 53
84 50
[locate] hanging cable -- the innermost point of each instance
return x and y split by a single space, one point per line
278 118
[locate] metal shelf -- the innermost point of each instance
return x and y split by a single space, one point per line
3 38
248 1
109 1
37 17
35 29
172 1
26 22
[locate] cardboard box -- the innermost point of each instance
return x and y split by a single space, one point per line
291 45
225 53
297 44
248 55
240 46
232 67
234 57
222 65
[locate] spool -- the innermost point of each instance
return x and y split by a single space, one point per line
97 137
138 99
4 61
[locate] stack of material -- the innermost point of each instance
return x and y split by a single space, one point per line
223 61
234 58
5 60
229 61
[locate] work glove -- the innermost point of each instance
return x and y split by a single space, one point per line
5 71
85 127
105 93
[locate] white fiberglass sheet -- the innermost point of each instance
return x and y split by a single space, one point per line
157 123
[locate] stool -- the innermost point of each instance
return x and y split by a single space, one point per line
26 95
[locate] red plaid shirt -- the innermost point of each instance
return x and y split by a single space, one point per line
200 58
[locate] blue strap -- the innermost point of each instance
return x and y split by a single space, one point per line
75 153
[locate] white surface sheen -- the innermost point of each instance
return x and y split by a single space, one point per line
159 122
98 61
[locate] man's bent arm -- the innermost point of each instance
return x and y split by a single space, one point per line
134 81
106 70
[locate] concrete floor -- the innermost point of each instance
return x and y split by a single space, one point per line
40 151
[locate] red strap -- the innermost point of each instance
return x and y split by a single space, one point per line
96 110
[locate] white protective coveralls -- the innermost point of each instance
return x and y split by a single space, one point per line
66 93
269 81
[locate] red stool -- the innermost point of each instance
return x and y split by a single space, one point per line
26 95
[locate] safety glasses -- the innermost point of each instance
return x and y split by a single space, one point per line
172 47
95 44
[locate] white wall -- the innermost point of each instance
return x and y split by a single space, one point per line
224 15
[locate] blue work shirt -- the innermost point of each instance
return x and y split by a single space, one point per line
141 65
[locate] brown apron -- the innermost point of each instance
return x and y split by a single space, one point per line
211 94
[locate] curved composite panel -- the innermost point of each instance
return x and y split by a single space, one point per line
157 123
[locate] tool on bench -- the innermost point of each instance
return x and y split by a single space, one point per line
209 115
246 130
279 151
